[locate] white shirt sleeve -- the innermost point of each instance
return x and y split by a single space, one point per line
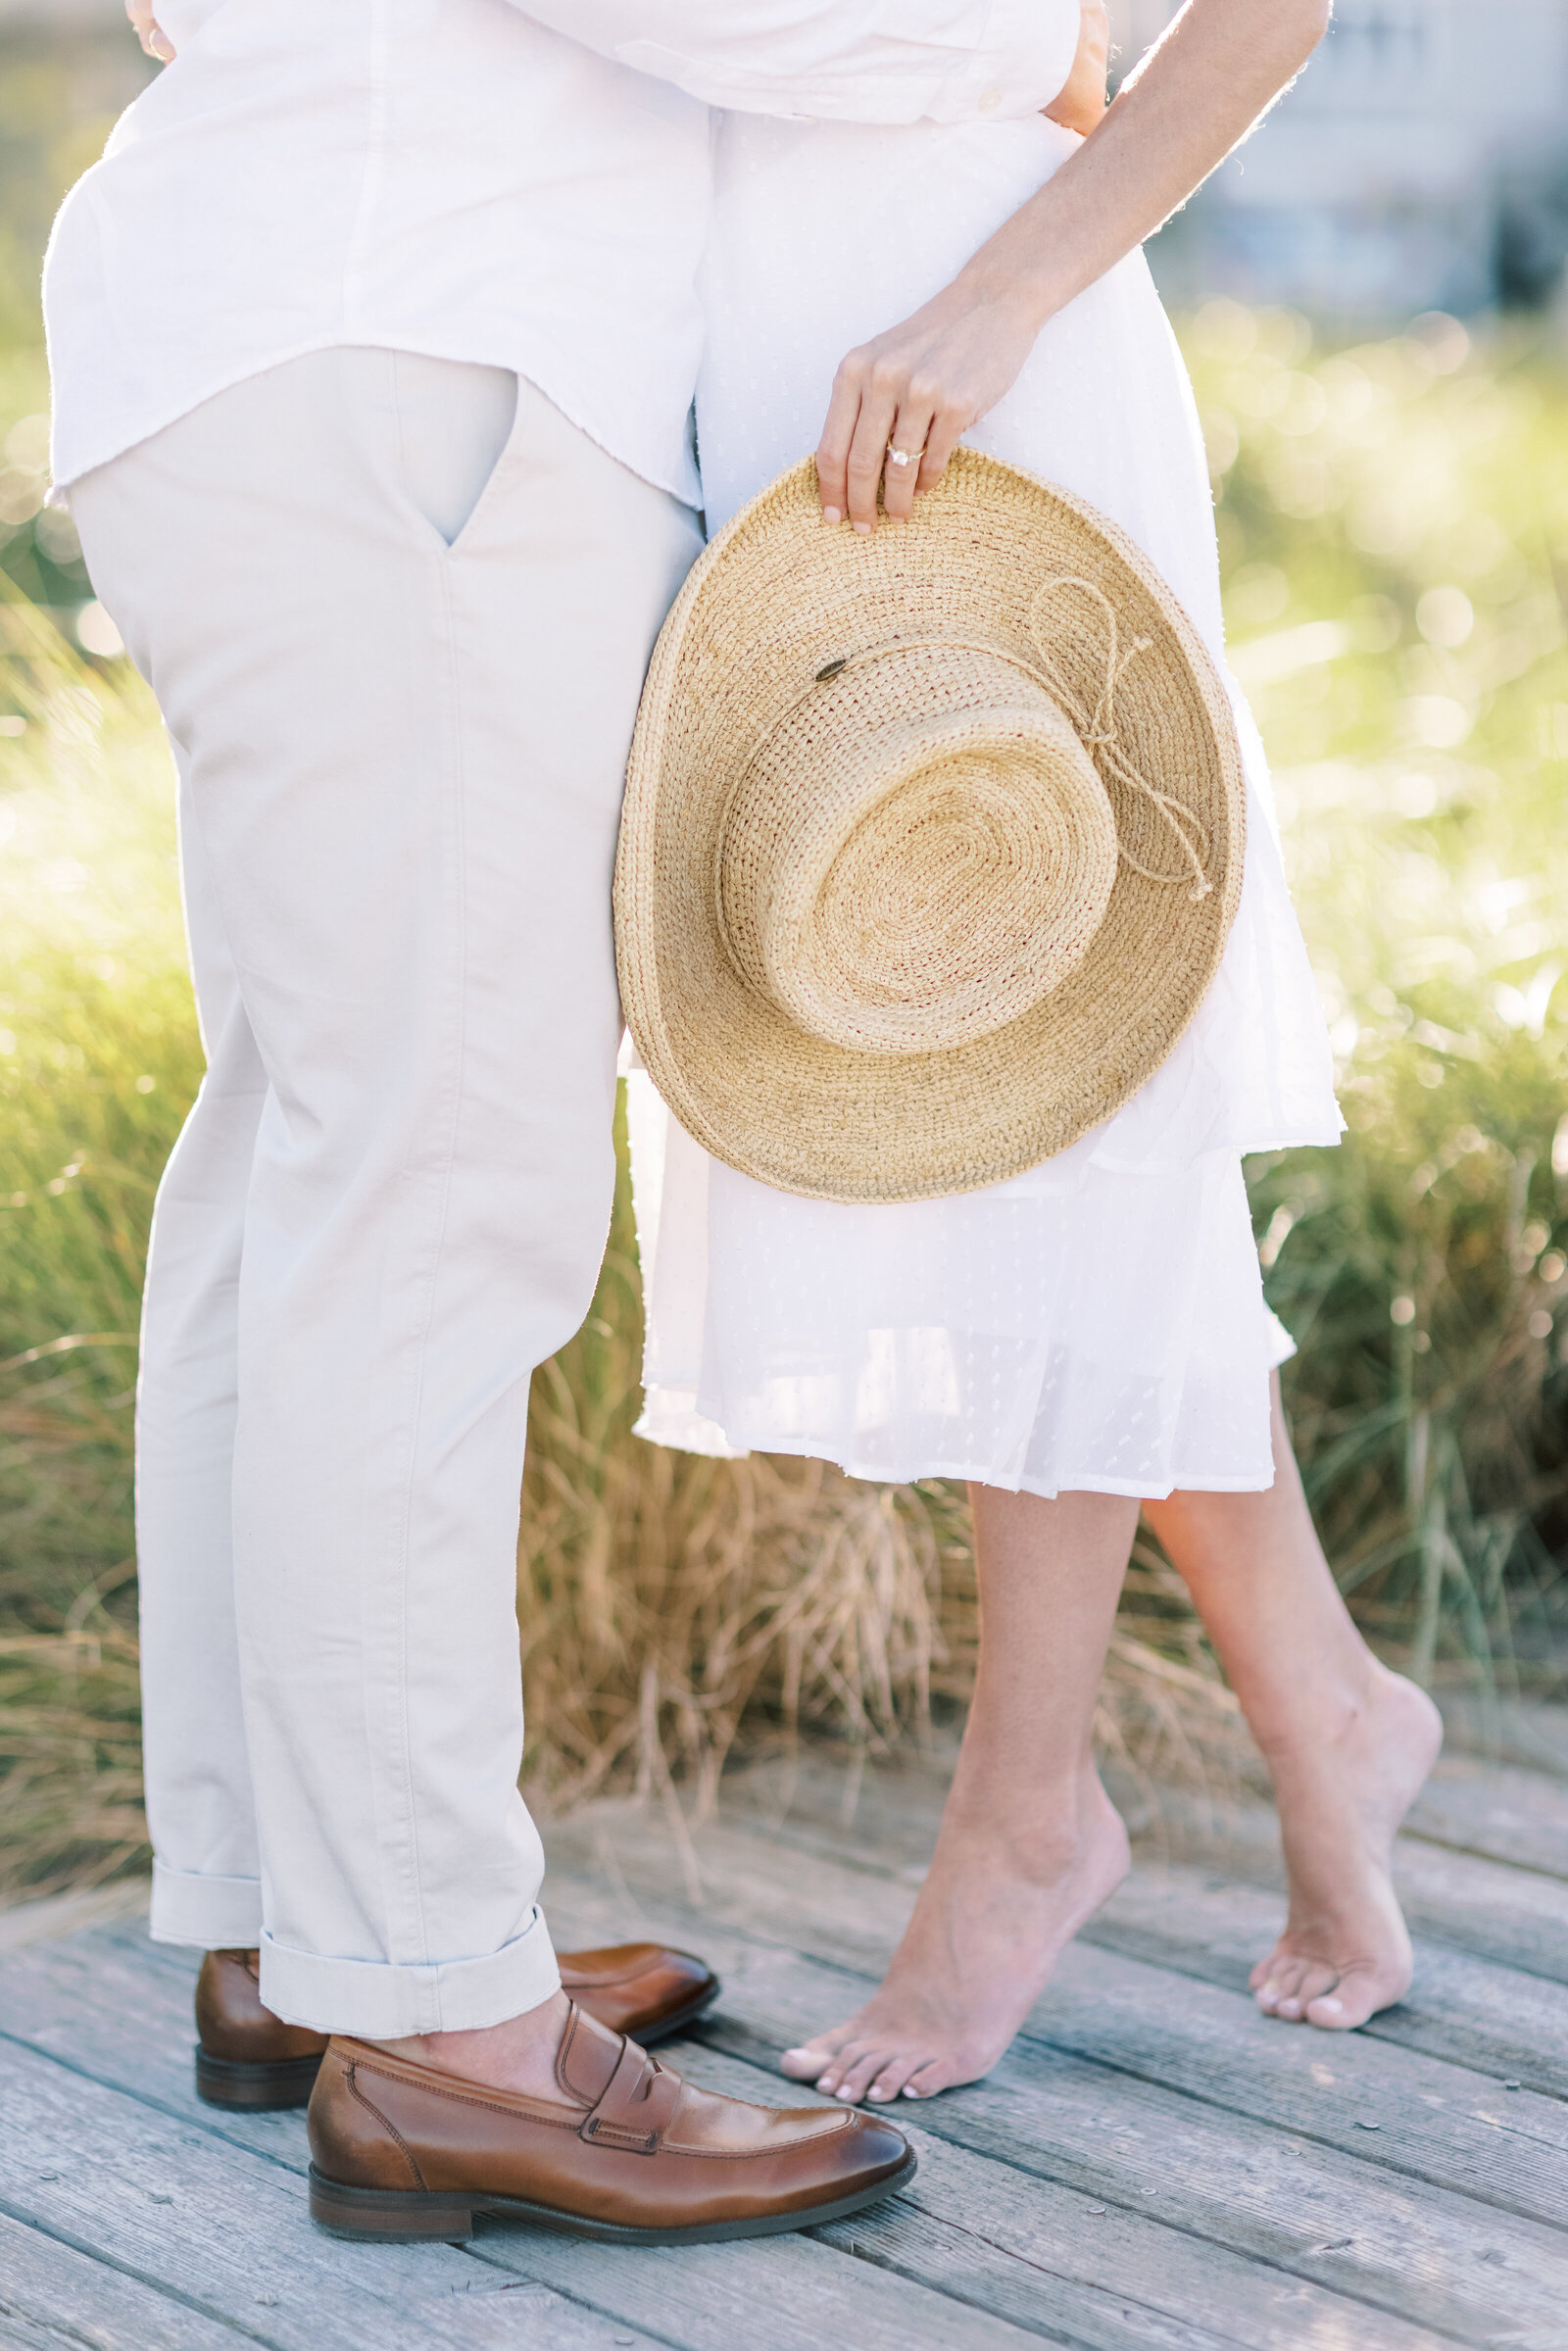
856 61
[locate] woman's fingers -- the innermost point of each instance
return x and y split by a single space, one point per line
873 429
892 421
911 430
837 433
151 34
941 441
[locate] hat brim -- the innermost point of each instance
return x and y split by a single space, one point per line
776 597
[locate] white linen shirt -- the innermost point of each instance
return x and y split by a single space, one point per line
462 179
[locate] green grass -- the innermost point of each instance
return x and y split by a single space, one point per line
1415 495
1415 510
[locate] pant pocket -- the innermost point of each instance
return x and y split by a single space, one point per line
453 420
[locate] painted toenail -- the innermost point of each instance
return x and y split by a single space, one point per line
1290 2008
1335 2007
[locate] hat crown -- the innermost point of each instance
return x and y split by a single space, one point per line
918 851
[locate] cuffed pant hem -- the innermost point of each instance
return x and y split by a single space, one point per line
376 2000
215 1914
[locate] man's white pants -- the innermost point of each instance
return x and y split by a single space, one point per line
396 612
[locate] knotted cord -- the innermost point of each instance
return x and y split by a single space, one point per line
1097 730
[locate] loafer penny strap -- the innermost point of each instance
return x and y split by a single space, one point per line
637 2104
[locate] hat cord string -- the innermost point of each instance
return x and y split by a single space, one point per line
1095 729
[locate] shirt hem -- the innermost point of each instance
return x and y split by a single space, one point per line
64 476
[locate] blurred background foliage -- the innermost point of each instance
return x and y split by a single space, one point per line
1393 533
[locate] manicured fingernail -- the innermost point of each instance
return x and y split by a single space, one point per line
864 529
830 513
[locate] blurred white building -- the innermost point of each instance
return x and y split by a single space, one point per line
1420 163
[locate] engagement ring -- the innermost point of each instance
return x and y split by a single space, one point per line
903 456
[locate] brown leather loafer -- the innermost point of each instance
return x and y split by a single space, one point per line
246 2057
630 2153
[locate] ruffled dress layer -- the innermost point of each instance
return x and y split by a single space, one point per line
1097 1324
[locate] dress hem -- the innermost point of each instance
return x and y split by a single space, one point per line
1133 1490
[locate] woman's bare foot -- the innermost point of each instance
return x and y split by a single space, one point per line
994 1914
1342 1794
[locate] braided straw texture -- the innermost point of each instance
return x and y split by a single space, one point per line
907 929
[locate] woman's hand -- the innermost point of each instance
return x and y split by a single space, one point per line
1211 76
912 391
909 395
154 39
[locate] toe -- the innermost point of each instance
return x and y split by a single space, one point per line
893 2077
929 2081
808 2064
841 2062
857 2074
1279 1994
1357 1994
812 2058
1317 1980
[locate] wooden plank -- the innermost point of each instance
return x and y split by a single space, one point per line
185 2212
795 2293
59 1915
108 2172
1530 1730
1423 2252
1471 2011
1497 1909
1010 2242
1433 2120
1463 2011
1500 1810
117 2008
1039 2254
1418 2252
52 2298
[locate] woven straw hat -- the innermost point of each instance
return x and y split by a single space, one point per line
931 842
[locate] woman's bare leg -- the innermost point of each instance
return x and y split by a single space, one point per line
1030 1845
1348 1743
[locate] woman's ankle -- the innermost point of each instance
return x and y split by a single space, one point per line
1039 1841
1317 1718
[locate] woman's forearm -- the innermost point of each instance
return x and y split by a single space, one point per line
1218 65
916 388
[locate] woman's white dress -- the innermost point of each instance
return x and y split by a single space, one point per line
1098 1322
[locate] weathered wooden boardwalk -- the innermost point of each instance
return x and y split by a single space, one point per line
1152 2166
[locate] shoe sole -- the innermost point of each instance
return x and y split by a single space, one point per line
406 2215
255 2088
